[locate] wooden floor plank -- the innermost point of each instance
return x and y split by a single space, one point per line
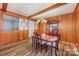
25 49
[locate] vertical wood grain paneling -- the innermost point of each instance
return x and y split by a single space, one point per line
77 25
69 26
1 40
66 27
41 27
0 20
62 30
10 37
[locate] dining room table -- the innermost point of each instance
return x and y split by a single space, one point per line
47 39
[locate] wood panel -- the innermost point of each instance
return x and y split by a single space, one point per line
4 6
77 24
41 27
0 20
10 37
51 19
62 30
69 26
0 26
66 28
23 34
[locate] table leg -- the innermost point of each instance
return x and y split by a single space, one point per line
51 47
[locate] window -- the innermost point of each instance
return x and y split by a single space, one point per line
10 23
23 24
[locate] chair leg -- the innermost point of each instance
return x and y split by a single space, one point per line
41 48
55 52
46 48
57 49
51 50
36 47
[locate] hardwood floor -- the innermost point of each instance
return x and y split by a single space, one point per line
26 49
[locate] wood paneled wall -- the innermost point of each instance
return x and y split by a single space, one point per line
10 37
69 26
0 20
66 27
77 24
41 27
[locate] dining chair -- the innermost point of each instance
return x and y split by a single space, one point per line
42 44
38 43
33 41
54 44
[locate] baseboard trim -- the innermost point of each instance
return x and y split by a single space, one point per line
13 44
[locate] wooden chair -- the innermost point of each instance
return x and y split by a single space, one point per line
42 44
37 43
34 40
54 45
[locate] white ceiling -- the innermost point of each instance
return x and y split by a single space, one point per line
0 5
65 9
31 8
28 8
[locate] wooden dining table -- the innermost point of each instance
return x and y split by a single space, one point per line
49 38
46 38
